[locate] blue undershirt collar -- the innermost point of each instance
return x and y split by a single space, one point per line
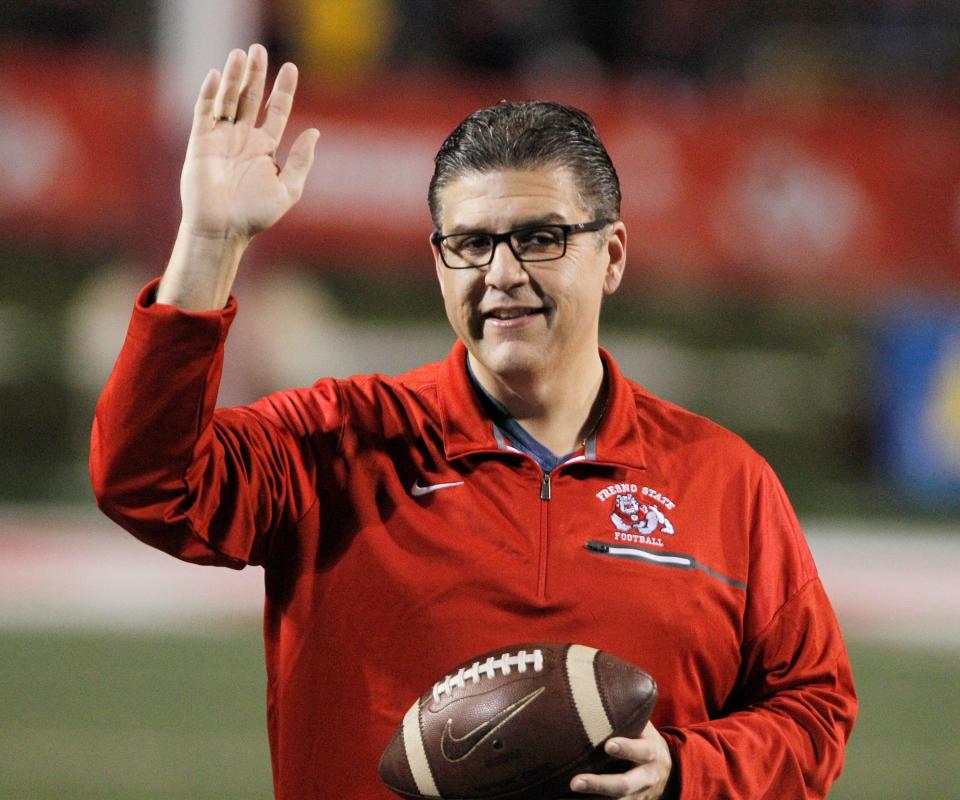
513 430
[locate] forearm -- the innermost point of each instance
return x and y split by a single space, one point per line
785 731
764 753
151 418
201 271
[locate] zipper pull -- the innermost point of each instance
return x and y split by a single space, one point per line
597 547
545 486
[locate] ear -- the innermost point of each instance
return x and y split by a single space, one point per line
617 252
437 263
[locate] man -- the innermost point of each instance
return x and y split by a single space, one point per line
521 490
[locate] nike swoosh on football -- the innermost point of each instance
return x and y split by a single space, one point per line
458 748
419 491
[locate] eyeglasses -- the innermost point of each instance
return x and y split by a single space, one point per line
531 243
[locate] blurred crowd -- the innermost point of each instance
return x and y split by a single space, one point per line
833 42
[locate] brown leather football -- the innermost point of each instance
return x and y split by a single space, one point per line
517 724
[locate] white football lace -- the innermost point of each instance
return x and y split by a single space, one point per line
488 668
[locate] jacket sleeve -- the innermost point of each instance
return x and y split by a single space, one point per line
207 486
783 730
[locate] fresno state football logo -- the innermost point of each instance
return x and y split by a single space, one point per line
635 521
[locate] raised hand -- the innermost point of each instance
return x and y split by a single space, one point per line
231 186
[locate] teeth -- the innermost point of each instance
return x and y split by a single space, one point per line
511 313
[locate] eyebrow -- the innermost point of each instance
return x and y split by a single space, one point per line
545 219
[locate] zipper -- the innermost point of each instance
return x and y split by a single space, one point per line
545 493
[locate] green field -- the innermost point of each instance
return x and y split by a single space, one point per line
138 716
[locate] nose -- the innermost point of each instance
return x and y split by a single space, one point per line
505 270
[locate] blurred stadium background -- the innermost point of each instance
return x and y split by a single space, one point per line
791 175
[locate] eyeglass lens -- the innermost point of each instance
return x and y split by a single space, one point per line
544 243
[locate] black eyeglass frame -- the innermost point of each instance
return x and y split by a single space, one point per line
496 238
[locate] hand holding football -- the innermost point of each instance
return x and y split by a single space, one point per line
518 724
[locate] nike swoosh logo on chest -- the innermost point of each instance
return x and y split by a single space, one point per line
417 490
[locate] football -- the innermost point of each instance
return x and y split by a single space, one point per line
517 724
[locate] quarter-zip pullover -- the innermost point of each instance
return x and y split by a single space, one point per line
400 534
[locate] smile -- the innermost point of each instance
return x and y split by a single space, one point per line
513 313
512 317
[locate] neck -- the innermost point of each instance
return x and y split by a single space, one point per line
558 410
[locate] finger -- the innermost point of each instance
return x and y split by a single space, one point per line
203 110
639 751
299 161
280 102
251 92
229 92
636 780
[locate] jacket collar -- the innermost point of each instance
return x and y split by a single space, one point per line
467 429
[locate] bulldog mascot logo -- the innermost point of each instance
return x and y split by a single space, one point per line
632 515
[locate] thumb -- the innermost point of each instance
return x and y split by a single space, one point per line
299 161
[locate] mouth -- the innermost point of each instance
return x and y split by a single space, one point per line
513 317
512 313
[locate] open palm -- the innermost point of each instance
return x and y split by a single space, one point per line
231 185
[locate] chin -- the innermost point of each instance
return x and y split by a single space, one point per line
511 360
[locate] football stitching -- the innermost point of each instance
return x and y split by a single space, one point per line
488 668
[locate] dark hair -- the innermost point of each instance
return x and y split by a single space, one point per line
529 135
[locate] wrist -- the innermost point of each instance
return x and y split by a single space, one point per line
202 239
201 270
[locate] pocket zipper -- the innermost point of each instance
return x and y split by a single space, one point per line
675 560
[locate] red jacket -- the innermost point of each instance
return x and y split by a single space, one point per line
667 542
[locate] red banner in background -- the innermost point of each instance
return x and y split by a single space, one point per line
716 187
77 140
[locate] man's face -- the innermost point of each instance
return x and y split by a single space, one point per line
527 321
